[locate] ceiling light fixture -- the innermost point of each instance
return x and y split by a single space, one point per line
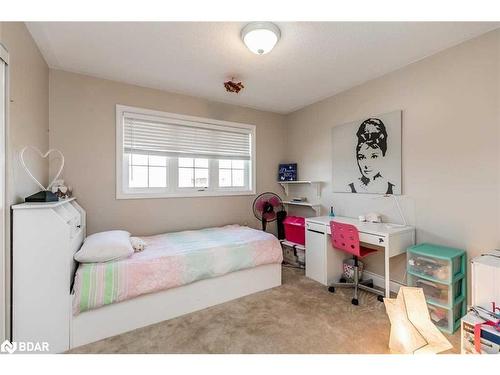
260 37
233 86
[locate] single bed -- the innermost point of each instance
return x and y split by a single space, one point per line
176 274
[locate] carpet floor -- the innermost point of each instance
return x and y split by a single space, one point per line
300 316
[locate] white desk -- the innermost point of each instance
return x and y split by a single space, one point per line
324 263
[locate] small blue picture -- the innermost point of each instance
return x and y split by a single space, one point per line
287 172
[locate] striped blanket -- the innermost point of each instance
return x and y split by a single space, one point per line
171 260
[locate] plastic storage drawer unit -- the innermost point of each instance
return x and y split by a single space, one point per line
439 293
447 320
439 263
440 272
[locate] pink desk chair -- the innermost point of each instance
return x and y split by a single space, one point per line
345 237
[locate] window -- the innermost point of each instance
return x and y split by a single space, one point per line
147 171
193 172
167 155
231 173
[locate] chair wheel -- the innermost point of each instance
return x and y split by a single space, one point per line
354 301
380 298
331 289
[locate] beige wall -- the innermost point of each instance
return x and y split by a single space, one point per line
28 112
29 108
451 146
82 126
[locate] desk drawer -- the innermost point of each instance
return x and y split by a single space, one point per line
372 239
316 227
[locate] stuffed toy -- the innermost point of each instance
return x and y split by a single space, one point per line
61 190
138 244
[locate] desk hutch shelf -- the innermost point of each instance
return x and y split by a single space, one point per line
316 185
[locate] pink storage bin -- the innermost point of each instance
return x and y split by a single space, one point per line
295 229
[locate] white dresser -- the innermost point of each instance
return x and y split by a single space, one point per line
485 276
41 277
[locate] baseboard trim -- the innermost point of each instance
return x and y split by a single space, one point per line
378 281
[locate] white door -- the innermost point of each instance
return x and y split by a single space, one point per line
3 114
315 254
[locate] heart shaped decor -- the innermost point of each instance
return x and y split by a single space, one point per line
42 156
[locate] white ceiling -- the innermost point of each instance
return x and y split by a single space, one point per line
311 61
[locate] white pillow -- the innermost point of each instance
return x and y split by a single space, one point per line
105 246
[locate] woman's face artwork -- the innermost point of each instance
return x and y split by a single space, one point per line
369 160
363 159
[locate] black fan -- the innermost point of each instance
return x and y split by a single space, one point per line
265 208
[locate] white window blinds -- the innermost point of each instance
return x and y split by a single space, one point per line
176 137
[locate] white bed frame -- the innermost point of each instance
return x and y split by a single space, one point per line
56 231
111 320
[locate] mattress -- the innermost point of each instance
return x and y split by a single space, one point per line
171 260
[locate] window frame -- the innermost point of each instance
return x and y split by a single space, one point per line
173 191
